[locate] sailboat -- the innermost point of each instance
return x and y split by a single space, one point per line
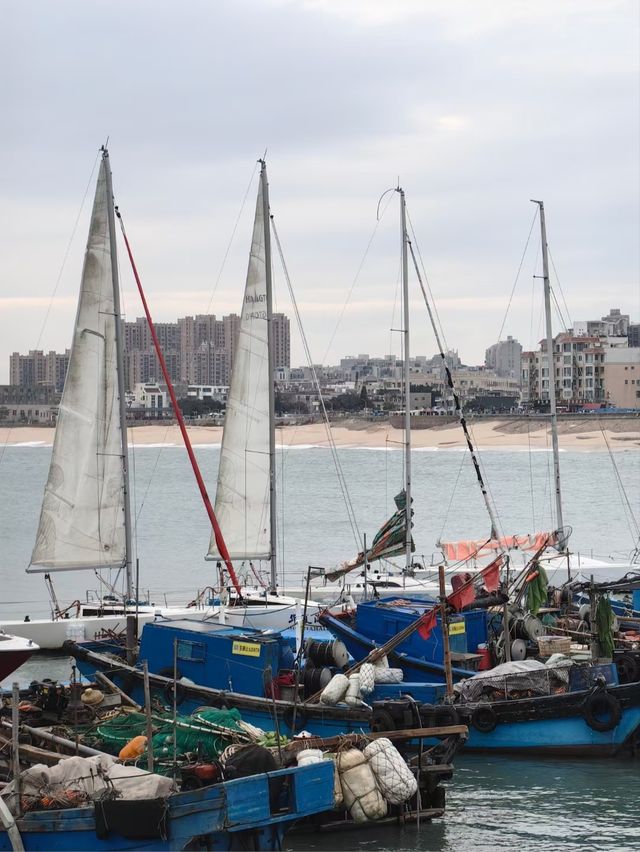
245 503
85 521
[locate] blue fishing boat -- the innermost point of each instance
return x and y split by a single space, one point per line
375 622
219 666
242 813
579 710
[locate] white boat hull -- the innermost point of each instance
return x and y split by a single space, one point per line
14 651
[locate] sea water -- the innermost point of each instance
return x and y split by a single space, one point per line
494 803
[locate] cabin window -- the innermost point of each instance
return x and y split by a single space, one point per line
193 651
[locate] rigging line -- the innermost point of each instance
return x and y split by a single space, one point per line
355 280
463 458
533 502
339 471
559 313
513 289
134 495
483 467
458 407
232 237
621 488
426 279
153 470
555 272
68 249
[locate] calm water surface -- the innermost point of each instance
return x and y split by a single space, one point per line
493 803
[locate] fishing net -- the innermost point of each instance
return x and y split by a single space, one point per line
208 731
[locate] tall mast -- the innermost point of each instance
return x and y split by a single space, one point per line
120 369
551 370
271 363
407 379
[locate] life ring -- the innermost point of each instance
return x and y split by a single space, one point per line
484 718
301 718
382 720
181 690
628 668
602 711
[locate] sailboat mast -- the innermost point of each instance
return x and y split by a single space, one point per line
120 370
407 379
552 375
271 369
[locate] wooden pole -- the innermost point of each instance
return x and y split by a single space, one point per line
175 707
147 711
506 632
15 745
445 632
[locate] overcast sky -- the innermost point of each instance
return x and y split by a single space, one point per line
476 105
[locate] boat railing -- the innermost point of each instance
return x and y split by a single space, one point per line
550 680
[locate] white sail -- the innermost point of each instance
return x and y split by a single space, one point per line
242 495
82 523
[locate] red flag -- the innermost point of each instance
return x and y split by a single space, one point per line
427 623
463 591
463 596
491 575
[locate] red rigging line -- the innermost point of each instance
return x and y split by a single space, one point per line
222 547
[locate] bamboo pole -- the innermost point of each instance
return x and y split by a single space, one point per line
445 632
147 711
15 745
378 653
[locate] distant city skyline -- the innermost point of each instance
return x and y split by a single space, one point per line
475 107
200 350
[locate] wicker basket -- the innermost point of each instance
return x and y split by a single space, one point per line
548 645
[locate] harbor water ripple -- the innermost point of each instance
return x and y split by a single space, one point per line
493 803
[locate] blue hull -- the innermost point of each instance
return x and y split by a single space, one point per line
551 725
571 736
220 817
316 719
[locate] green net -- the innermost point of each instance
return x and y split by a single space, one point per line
208 731
604 625
537 590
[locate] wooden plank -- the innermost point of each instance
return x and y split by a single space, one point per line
407 734
104 680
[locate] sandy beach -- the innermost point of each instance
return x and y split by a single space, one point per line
578 434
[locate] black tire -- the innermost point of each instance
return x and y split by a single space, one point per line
484 718
628 668
602 711
181 690
382 720
446 714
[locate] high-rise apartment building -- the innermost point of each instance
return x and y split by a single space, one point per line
36 368
505 358
198 351
281 341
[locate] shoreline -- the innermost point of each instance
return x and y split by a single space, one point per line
500 434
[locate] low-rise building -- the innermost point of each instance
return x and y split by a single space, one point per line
622 377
